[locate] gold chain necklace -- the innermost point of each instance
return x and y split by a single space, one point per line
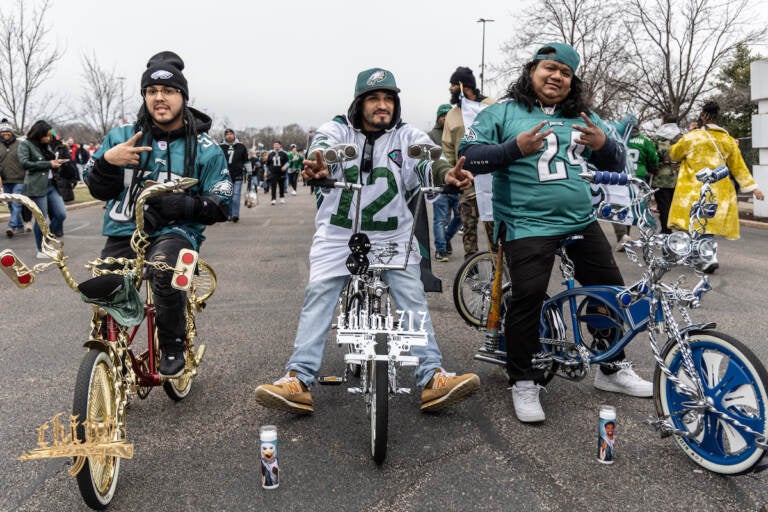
547 110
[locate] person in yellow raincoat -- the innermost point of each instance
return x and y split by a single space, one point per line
709 146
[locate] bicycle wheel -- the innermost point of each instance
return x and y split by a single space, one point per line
472 287
96 401
203 284
734 383
351 304
177 389
379 413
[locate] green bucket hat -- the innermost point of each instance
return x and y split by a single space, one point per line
375 79
442 110
559 52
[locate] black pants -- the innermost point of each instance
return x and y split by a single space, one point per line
293 179
530 262
277 179
170 303
663 198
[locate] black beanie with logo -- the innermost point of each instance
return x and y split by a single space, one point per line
165 68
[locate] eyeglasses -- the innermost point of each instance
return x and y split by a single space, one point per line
165 91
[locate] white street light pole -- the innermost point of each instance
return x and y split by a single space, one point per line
482 63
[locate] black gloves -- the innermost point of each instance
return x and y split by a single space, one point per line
164 209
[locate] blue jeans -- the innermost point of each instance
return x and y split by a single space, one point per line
234 205
320 301
442 228
50 204
14 188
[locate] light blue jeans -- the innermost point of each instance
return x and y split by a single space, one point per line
234 205
50 204
320 300
14 188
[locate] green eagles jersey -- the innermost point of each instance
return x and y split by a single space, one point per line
641 155
165 162
540 194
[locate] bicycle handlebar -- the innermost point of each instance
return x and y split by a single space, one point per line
347 185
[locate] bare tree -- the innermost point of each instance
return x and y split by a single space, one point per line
678 46
101 96
590 26
26 60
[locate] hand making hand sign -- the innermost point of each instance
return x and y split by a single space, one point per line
533 141
125 154
591 135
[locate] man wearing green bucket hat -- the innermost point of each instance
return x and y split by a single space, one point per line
537 143
387 174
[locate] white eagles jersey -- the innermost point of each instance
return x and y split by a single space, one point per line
384 213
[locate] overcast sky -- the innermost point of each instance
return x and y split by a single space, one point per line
276 62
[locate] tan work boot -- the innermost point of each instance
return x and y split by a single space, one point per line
445 389
286 394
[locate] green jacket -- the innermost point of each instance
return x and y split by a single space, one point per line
36 166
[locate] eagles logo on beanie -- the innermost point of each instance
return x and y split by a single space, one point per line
165 68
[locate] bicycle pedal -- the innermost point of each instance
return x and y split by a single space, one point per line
331 380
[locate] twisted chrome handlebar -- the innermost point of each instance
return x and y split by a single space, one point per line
661 252
53 247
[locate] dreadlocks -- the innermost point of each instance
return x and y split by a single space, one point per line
522 92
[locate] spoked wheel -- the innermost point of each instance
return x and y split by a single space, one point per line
95 401
734 383
379 410
178 389
351 305
472 287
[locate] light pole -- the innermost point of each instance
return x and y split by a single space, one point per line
122 101
482 62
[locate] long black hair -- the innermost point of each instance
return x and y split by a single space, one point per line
144 123
38 130
522 92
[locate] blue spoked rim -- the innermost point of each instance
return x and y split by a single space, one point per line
729 382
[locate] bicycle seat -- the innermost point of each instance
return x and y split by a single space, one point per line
117 295
102 287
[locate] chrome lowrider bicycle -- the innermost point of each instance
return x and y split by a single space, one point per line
710 390
378 336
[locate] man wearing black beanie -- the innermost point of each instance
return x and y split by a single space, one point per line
167 142
469 101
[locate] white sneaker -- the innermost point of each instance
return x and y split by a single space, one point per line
274 202
620 244
293 192
41 255
282 200
624 381
525 398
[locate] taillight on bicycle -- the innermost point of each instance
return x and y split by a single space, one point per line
185 269
15 269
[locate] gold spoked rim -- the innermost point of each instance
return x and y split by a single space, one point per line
101 408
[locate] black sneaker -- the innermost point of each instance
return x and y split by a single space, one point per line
440 256
9 233
448 248
172 363
235 219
